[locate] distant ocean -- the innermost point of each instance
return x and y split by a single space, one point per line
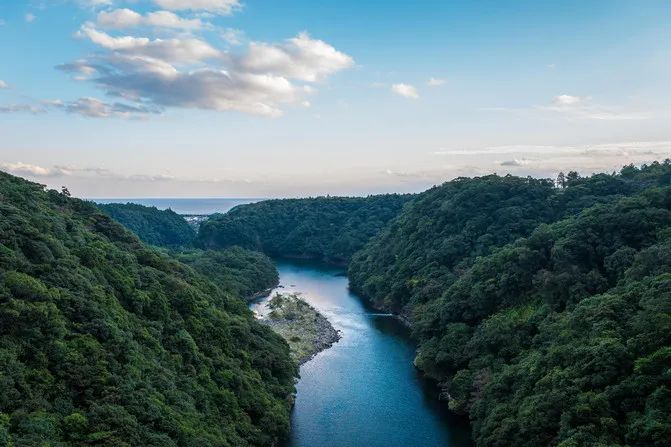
186 206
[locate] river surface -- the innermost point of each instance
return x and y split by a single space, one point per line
363 391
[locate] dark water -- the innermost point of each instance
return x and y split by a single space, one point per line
364 390
186 206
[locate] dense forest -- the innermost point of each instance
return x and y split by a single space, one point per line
163 228
323 228
238 271
241 272
105 341
433 241
563 336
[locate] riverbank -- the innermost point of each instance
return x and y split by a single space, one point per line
306 330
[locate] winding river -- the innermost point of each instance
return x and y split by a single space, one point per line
363 391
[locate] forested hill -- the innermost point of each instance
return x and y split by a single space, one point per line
163 228
105 341
563 336
324 228
446 228
241 272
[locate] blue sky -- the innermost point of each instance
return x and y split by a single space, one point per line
293 98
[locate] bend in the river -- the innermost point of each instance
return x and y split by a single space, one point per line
363 391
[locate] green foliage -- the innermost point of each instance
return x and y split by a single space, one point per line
433 241
545 312
324 228
235 270
106 342
155 227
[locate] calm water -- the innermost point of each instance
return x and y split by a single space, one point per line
186 206
364 390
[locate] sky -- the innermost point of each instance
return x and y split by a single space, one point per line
262 98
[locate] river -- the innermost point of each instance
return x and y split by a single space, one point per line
363 391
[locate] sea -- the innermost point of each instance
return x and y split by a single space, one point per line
185 206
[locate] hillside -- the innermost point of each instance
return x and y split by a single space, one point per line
415 258
323 228
163 228
243 273
105 341
561 336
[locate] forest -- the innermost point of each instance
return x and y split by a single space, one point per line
107 341
164 228
329 229
239 271
544 310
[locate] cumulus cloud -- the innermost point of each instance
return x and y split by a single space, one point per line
179 51
435 82
221 7
190 73
3 84
127 18
405 90
300 57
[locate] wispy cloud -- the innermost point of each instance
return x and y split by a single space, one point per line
233 36
22 108
30 17
435 82
3 85
577 108
514 162
405 90
222 7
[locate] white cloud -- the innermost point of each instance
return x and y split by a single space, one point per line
405 90
300 57
21 168
119 18
30 17
233 36
3 84
222 7
127 18
180 51
434 82
567 100
187 72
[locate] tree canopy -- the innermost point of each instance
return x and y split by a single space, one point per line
105 341
163 228
323 228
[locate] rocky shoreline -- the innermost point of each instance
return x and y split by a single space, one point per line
306 330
